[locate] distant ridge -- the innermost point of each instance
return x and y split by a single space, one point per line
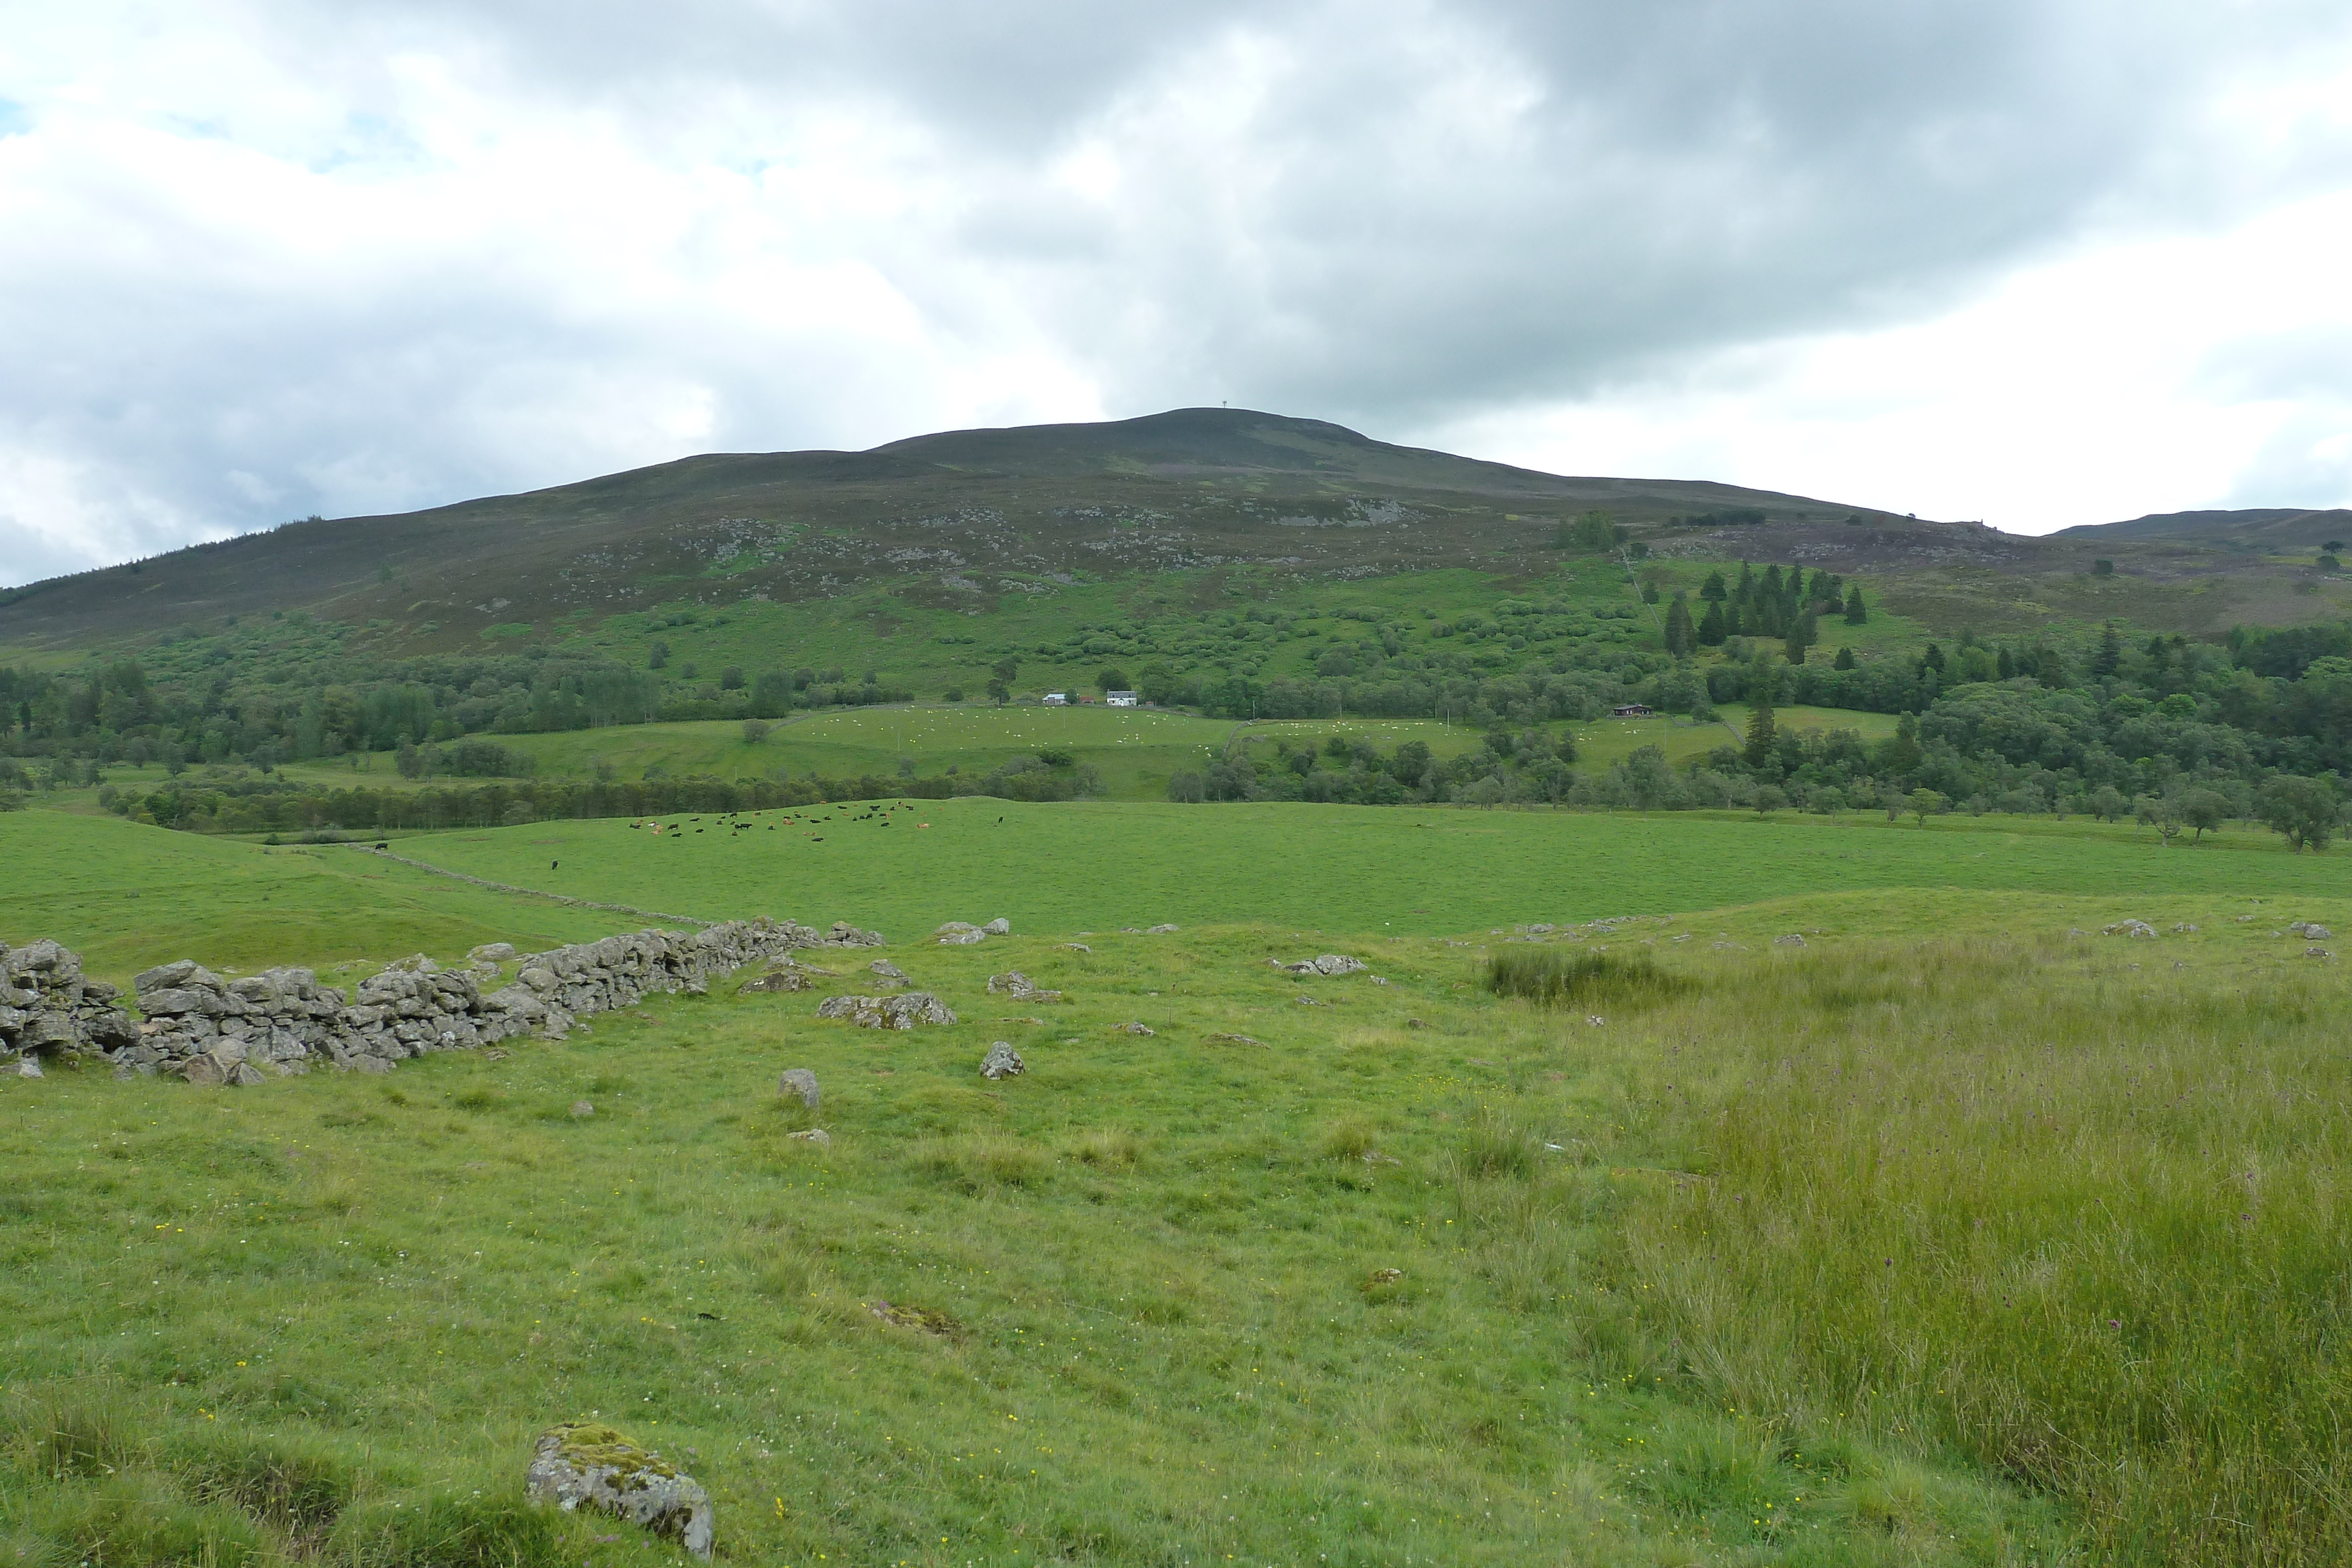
2252 525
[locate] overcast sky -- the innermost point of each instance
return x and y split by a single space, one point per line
2038 262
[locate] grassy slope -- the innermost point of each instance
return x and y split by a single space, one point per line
1157 1254
2101 1167
1064 868
126 897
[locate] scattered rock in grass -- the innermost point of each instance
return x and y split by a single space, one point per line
583 1109
890 971
1377 980
2076 931
844 935
1076 947
1001 1061
2184 927
29 1067
1136 1028
495 1055
956 928
1309 1002
2136 928
491 952
1017 986
1160 930
1595 1019
783 978
2310 929
963 939
902 1011
801 1082
1234 1040
245 1075
581 1465
925 1320
1386 1277
1000 926
1328 964
1790 940
815 1137
2317 952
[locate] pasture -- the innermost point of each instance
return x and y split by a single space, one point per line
1093 866
1952 1236
120 894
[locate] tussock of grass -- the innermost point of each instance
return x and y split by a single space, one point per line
2091 1229
1581 977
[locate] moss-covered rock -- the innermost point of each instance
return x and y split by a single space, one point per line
581 1463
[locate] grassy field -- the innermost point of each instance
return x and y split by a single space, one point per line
1134 750
1086 866
126 897
1156 1255
1949 1237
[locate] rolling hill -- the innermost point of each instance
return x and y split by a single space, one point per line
975 519
961 519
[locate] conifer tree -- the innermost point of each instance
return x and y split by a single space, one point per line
1856 616
2110 656
1712 627
1713 590
1761 730
1681 636
1801 636
1845 660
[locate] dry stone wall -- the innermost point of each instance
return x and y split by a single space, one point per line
198 1026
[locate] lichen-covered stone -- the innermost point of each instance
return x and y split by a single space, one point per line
1001 1061
800 1082
581 1465
1017 986
903 1011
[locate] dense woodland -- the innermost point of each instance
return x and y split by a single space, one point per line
2114 727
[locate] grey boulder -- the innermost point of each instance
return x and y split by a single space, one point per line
581 1464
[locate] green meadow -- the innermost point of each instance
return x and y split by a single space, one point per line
120 895
1094 866
1951 1236
1134 751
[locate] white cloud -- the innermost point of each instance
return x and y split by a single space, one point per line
260 258
2159 375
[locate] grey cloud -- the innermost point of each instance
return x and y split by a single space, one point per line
1390 214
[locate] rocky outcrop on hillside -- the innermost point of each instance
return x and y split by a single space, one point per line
209 1029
